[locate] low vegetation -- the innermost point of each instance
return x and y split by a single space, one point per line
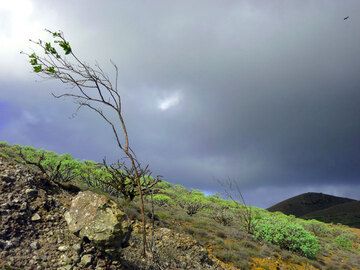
216 223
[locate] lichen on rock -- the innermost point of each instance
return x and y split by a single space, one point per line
96 218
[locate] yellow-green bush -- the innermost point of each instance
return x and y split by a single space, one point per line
287 235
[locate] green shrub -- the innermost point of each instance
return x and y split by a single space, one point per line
192 202
218 201
286 235
164 185
3 144
223 216
344 241
317 228
162 200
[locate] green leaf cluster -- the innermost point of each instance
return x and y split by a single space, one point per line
50 49
65 45
33 59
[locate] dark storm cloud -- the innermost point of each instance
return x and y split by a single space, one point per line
268 93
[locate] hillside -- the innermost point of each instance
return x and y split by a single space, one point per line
322 207
345 213
44 225
306 203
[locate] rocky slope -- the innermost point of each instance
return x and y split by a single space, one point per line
44 226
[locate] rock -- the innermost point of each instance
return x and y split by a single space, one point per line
15 242
35 217
86 260
31 193
97 218
35 245
66 267
6 245
63 248
77 247
23 206
64 259
16 201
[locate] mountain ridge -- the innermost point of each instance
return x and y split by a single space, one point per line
323 207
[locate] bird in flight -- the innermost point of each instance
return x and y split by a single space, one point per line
347 17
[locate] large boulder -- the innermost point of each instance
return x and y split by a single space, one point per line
97 218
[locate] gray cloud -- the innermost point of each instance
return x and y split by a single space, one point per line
269 92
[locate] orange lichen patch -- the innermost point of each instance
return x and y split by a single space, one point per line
356 231
276 264
356 244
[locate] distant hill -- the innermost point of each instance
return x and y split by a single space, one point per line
345 213
322 207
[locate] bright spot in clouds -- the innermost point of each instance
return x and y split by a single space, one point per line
17 25
15 19
170 101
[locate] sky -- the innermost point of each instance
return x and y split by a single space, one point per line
264 92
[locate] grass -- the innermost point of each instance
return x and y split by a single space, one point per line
217 223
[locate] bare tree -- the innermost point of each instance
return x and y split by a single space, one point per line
91 88
55 173
58 173
122 179
232 191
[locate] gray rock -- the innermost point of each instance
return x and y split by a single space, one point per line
64 259
23 206
86 260
35 217
6 245
97 218
65 267
63 248
31 193
77 247
35 245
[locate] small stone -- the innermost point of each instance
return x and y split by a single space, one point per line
75 257
7 245
86 260
63 248
16 200
35 245
15 242
64 259
23 206
36 217
31 193
77 247
65 267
